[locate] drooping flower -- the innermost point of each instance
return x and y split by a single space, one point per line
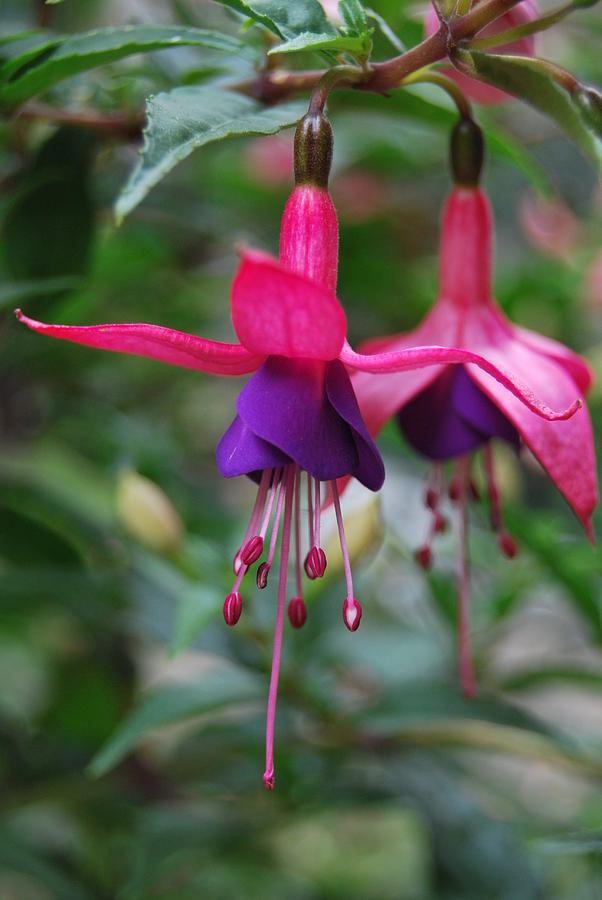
521 14
450 413
297 417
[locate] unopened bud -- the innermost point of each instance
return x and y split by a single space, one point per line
147 513
589 103
252 550
424 558
315 563
352 614
507 544
466 153
262 575
232 608
297 612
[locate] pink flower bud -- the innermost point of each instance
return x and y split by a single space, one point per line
232 608
297 612
352 614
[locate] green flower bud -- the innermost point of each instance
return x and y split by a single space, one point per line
313 150
467 151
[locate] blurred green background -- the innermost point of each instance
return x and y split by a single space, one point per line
131 718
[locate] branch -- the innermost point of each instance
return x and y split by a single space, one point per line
118 125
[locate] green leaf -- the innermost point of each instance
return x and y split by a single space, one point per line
15 292
197 606
185 119
359 45
284 18
174 704
530 80
39 68
353 15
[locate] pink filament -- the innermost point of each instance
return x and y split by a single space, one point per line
344 551
270 504
467 678
298 532
276 523
268 777
254 520
317 513
494 494
310 511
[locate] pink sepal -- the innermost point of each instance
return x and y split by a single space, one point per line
173 347
278 312
418 357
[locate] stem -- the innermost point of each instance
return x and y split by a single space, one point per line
320 93
455 92
118 125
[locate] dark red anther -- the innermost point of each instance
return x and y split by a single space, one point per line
454 490
424 558
352 613
315 563
297 612
507 544
262 575
252 550
475 493
440 524
431 499
232 608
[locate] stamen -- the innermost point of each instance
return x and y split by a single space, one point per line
297 612
264 568
232 608
252 550
467 678
268 777
438 523
315 561
506 543
270 504
298 531
352 611
253 521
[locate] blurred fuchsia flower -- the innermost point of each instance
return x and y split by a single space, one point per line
450 412
549 226
521 14
268 160
297 417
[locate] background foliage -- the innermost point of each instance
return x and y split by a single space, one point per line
131 718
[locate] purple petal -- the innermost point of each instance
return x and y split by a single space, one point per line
285 403
241 452
452 417
370 469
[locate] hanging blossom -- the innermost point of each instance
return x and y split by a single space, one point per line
452 413
297 427
521 14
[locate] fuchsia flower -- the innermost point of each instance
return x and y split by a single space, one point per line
297 417
450 412
521 14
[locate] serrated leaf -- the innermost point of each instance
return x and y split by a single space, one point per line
185 119
39 68
285 19
353 15
529 80
342 43
172 704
